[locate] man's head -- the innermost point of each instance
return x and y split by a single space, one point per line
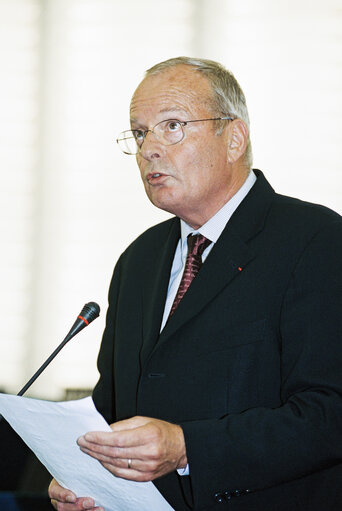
196 176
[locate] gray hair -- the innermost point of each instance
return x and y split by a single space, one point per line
228 97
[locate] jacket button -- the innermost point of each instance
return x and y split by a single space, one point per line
219 497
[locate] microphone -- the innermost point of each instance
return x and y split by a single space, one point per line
89 312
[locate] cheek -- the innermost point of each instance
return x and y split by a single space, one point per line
141 166
197 170
189 165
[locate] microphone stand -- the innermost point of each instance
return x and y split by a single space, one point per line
89 312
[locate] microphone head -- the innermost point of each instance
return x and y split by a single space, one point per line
90 312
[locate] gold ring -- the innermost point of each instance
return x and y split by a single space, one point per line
129 463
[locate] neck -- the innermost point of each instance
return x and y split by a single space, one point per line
197 219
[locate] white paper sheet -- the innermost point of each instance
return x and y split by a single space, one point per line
51 430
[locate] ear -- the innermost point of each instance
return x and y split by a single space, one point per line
237 140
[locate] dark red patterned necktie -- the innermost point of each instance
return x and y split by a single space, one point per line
196 246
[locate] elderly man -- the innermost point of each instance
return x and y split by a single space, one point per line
221 361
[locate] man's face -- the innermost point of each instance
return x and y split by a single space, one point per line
192 178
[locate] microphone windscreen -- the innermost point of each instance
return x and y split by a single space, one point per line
90 312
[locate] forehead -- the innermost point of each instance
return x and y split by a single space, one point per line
180 88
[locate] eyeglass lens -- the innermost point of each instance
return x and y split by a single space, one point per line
168 132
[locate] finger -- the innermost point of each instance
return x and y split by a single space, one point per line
60 494
135 469
142 443
137 436
130 474
132 423
124 438
118 456
115 461
84 504
133 465
126 462
104 452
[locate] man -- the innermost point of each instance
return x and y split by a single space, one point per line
227 392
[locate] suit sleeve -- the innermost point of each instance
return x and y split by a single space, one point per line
264 447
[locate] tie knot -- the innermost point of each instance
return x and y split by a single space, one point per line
197 244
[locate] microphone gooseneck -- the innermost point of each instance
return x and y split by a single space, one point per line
89 312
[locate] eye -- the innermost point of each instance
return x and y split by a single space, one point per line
139 136
173 125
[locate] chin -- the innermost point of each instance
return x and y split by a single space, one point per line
166 203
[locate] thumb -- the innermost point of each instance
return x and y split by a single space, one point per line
132 423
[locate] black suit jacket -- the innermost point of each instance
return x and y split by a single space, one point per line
250 364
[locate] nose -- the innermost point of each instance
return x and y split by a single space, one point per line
151 148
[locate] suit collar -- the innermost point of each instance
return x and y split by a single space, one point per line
250 216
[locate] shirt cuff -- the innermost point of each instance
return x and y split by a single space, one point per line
184 471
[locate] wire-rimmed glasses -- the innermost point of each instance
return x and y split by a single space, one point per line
168 132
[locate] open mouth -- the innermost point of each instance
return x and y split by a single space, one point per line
153 176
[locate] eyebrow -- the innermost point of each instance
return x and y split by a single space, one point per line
163 111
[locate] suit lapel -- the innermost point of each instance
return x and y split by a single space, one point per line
228 258
156 285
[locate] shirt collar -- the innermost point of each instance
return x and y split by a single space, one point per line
213 228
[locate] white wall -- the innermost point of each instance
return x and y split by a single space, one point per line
71 202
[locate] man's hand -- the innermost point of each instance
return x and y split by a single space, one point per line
66 500
139 449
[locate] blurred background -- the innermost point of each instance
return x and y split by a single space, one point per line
70 201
